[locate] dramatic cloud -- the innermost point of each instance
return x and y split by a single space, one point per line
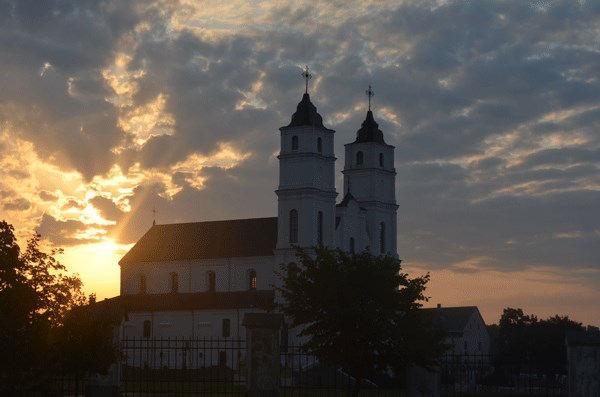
111 109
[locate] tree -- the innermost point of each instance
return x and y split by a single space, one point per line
37 311
540 344
359 312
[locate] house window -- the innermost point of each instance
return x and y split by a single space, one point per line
465 346
319 145
293 226
294 142
381 159
382 237
210 275
174 283
142 284
251 279
352 244
359 158
320 227
222 358
226 328
147 332
479 346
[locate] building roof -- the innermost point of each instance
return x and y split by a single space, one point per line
263 299
369 131
346 200
306 114
205 240
452 319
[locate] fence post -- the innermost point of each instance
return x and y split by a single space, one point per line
263 361
583 353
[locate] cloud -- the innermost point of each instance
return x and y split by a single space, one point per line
19 204
494 108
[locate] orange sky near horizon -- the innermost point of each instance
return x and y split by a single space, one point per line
110 109
535 290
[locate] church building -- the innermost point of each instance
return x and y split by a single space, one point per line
199 279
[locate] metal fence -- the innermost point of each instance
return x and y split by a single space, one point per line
487 375
178 366
302 374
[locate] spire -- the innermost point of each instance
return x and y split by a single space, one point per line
369 130
306 113
154 216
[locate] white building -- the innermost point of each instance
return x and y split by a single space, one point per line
199 279
465 329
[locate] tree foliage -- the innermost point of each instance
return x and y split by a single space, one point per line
359 312
523 338
42 314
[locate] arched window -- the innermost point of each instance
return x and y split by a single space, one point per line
142 284
381 159
211 279
359 158
382 237
251 279
174 282
294 142
352 244
293 226
147 331
319 145
320 227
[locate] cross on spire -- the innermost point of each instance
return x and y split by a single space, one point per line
307 76
370 94
154 215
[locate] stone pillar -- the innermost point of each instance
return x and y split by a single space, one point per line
583 353
263 361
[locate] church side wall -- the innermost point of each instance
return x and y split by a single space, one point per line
231 274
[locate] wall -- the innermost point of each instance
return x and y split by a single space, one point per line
231 275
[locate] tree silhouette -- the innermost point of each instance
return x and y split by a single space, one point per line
540 344
37 318
359 312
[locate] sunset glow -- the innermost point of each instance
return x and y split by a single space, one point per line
118 114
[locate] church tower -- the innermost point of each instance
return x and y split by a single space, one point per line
370 178
306 193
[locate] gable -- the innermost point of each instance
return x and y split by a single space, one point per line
205 240
452 319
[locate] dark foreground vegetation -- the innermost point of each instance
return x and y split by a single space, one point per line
44 330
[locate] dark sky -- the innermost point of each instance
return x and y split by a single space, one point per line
110 108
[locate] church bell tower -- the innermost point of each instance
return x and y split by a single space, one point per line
370 177
306 193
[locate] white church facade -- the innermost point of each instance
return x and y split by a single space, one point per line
199 279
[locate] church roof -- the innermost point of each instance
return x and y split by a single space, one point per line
306 114
189 301
347 198
369 131
452 319
205 240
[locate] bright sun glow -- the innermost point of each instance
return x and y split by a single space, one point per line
97 265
